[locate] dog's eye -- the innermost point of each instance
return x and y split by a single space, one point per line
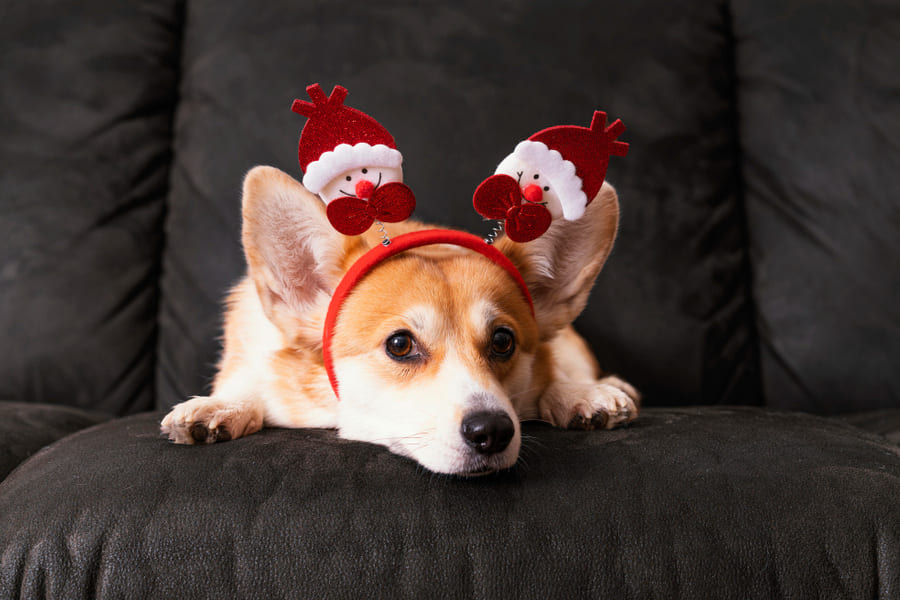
503 343
400 345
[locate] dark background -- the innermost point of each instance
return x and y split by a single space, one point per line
757 261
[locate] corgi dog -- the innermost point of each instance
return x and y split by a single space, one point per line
437 353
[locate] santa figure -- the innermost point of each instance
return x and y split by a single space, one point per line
553 174
351 161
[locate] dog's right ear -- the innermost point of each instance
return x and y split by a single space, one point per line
560 266
294 255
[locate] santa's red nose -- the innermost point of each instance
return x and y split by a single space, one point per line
533 193
364 189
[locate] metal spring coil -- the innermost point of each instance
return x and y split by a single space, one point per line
495 233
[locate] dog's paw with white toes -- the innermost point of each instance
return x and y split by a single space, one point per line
602 404
612 403
205 420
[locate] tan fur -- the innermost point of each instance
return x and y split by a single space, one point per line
272 373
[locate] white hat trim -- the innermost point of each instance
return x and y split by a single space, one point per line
561 173
345 158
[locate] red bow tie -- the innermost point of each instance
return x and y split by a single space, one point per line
499 197
391 203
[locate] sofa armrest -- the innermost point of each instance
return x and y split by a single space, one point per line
885 423
26 428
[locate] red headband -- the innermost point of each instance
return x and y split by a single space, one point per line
400 244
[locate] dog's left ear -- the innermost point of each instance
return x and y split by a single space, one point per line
560 266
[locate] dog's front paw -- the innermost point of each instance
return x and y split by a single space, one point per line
602 404
611 402
204 420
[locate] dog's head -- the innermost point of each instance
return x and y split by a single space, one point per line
437 353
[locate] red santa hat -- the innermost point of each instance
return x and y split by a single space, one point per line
337 138
574 159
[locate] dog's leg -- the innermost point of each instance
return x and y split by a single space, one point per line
217 418
578 397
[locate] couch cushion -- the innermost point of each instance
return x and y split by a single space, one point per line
87 91
458 86
819 127
26 428
692 503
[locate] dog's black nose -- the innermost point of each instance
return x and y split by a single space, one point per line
488 432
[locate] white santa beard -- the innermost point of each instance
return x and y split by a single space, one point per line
331 164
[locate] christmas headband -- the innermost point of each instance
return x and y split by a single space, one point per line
554 173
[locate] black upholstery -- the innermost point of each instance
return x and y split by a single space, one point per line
302 514
88 91
819 125
757 266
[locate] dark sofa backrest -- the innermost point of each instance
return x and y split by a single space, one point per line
87 93
754 264
819 100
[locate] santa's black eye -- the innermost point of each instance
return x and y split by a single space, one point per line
537 175
503 343
546 188
365 171
349 178
400 346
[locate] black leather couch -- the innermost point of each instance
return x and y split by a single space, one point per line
753 296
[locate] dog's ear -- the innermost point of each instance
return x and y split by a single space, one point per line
560 266
294 256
